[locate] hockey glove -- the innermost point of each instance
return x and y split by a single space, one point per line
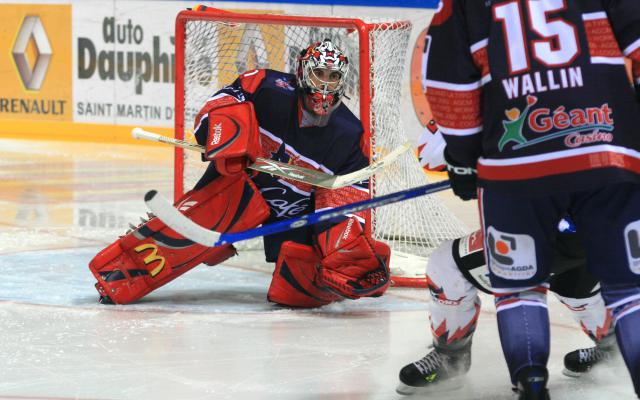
229 131
431 147
353 264
463 179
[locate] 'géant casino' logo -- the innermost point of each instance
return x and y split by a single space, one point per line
578 126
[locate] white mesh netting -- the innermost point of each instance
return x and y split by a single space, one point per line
217 52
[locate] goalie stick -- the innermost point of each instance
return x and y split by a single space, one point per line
177 221
293 172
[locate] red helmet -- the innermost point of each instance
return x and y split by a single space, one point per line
321 74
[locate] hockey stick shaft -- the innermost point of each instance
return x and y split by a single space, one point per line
189 229
139 133
293 172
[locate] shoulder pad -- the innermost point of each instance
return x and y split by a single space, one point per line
442 15
251 80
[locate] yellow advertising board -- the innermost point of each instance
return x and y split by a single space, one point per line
35 62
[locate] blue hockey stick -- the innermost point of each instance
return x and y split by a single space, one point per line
177 221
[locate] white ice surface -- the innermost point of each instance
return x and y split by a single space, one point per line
212 335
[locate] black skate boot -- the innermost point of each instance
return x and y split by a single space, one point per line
532 384
439 370
579 362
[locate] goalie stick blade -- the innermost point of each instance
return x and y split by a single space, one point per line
177 221
189 229
364 173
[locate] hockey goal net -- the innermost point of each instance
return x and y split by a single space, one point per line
214 46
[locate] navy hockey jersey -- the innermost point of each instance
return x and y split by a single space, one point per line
536 93
335 149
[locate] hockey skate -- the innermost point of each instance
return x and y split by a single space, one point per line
438 371
532 384
579 362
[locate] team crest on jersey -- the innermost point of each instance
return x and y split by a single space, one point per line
576 127
285 84
511 256
632 243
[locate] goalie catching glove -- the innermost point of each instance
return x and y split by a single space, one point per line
349 264
353 264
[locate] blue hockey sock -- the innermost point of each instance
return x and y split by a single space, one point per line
624 303
523 324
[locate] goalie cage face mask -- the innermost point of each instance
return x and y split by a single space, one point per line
321 74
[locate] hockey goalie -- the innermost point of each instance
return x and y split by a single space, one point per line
297 119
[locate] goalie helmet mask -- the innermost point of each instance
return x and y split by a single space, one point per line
321 76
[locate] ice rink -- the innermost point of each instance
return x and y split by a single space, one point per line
210 334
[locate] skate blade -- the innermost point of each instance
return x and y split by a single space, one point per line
572 374
441 387
516 394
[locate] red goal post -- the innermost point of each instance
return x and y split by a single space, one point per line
214 46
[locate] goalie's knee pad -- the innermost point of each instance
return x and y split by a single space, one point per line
294 279
153 254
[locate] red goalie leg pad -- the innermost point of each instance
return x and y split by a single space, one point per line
354 265
293 283
123 278
153 254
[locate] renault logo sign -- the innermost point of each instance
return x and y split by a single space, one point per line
32 29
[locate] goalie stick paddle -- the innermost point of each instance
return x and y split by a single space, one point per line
177 221
293 172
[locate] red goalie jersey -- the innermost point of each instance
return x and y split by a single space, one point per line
523 83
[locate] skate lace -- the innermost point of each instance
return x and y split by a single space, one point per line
591 354
429 363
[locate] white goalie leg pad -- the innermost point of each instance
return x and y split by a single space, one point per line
591 314
455 304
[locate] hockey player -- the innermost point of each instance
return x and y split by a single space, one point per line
298 119
533 97
457 271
